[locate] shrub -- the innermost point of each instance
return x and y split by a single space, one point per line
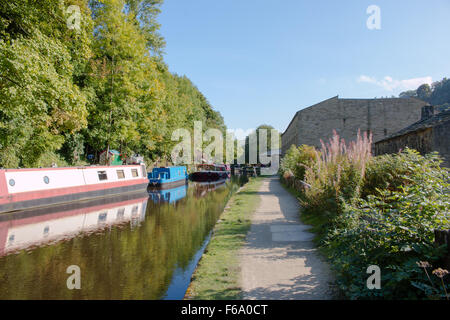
336 175
376 211
296 160
389 172
393 229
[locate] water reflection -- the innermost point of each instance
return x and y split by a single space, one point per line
202 188
167 195
126 248
28 229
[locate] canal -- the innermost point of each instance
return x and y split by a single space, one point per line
135 246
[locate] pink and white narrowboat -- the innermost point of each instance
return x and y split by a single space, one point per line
22 189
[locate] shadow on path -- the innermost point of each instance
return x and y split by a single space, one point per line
279 261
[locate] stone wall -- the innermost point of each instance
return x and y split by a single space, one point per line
382 117
421 141
441 141
429 134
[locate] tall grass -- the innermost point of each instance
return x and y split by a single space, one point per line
337 173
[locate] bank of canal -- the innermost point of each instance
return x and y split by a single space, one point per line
130 247
218 272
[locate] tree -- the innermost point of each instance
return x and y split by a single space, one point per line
438 94
424 92
40 99
256 136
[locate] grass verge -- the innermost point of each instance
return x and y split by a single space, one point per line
218 271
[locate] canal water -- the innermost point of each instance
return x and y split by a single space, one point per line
136 246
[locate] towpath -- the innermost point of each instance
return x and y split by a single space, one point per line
279 261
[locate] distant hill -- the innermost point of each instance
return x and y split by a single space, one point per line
438 94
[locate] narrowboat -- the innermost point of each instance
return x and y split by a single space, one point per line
209 173
168 177
24 229
22 189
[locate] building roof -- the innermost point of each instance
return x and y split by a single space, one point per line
347 99
433 121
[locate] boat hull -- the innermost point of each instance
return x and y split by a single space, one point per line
48 199
209 176
167 185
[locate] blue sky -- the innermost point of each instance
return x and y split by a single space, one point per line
260 61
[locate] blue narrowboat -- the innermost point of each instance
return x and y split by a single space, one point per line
169 177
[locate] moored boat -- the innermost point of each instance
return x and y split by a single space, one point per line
22 189
210 172
168 177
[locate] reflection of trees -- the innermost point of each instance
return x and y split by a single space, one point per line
201 189
120 262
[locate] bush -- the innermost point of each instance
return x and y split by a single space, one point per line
393 229
336 175
389 172
376 211
297 160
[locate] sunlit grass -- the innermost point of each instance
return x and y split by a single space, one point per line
218 272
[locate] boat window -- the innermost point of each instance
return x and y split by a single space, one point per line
46 180
120 213
134 173
120 174
102 217
12 183
102 175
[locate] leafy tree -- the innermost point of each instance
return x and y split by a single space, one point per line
40 99
256 133
438 94
67 93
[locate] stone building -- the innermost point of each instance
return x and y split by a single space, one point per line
382 117
431 133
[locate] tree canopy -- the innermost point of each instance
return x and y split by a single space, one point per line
438 94
69 92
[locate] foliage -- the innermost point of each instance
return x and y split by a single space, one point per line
337 174
376 211
256 136
74 92
437 94
40 100
392 229
297 160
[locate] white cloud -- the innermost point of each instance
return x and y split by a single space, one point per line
389 84
240 134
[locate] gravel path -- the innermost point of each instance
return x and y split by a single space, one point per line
279 261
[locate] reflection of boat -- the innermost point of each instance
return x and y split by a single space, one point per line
23 229
210 172
168 177
202 188
167 195
32 188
